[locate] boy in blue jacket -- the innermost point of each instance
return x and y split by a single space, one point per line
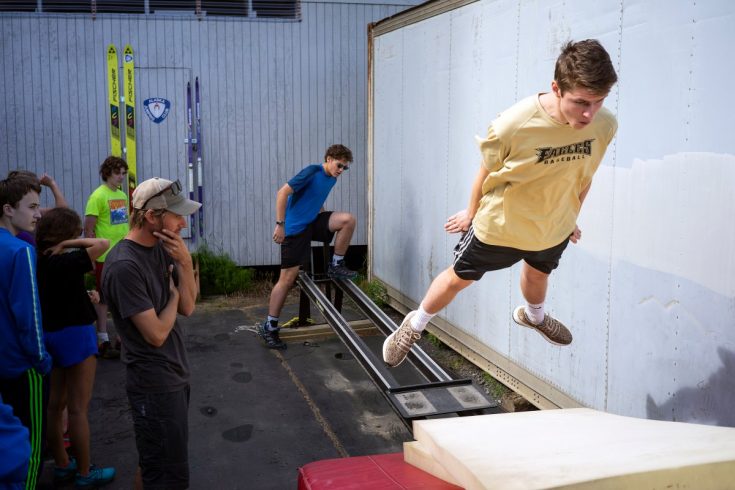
23 357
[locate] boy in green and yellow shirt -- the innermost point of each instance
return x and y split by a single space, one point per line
106 216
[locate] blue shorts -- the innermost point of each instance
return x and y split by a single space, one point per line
71 345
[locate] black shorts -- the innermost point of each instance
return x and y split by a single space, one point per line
161 422
295 248
472 258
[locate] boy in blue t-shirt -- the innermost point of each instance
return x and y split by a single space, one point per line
300 218
23 357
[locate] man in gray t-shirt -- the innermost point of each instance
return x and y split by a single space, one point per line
148 278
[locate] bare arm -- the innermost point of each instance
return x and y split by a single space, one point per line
577 233
461 221
89 223
95 247
59 199
187 289
279 233
155 329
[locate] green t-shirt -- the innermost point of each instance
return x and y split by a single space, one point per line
111 210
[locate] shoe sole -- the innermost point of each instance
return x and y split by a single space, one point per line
535 329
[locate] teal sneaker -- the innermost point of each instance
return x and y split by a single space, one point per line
96 478
65 475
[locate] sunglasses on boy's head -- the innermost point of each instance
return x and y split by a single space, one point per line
343 166
175 189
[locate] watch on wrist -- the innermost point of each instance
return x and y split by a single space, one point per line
280 223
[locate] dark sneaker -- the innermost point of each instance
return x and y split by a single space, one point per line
397 345
271 338
340 271
65 475
551 328
96 478
107 351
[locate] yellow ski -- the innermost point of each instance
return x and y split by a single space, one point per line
129 70
114 98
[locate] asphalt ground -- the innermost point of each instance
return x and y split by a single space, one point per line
256 415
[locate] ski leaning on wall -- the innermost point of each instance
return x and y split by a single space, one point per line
114 99
130 149
199 158
190 152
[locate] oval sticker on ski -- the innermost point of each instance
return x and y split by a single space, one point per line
157 108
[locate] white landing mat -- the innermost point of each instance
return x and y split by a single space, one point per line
575 448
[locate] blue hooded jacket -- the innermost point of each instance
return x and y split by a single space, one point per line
21 330
15 449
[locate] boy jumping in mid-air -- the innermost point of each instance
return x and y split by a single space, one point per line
538 161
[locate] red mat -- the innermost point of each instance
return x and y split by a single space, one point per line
380 472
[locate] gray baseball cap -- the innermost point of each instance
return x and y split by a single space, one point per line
157 193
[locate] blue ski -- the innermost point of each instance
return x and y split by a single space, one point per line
199 158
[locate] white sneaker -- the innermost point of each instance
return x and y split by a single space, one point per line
397 345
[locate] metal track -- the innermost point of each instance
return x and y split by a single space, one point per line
375 367
416 355
441 395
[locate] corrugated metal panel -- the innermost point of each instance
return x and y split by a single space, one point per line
275 94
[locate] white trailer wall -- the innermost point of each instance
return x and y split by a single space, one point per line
649 293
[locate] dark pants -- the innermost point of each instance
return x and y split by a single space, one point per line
161 422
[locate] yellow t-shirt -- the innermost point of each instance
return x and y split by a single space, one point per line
111 210
538 167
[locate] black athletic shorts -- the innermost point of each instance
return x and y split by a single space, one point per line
295 248
472 258
161 423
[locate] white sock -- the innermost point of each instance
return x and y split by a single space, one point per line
535 313
102 337
420 319
336 259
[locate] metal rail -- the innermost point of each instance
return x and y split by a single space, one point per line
440 395
416 355
374 367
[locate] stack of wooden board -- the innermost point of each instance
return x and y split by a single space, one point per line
575 448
